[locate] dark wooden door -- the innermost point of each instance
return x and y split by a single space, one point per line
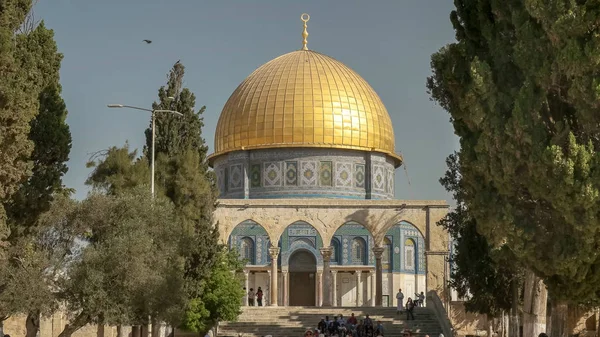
303 268
302 289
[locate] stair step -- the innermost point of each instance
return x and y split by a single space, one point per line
293 321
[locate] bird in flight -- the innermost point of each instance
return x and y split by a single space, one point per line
148 41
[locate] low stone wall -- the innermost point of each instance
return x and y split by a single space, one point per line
53 325
583 322
435 304
465 323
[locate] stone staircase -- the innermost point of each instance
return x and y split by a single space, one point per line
293 321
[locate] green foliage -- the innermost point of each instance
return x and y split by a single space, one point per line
35 142
24 58
480 273
131 266
52 143
183 174
117 170
221 295
521 86
36 261
177 134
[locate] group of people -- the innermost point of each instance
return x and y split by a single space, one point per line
338 326
258 295
349 332
410 304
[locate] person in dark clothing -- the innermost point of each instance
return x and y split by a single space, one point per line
259 296
335 325
379 329
410 307
368 325
360 329
322 326
543 334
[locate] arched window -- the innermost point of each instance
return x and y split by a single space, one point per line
386 258
359 251
409 254
335 251
247 249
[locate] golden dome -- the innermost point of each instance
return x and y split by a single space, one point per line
304 99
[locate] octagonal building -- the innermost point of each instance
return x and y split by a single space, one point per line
305 161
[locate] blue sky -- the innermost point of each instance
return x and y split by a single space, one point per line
388 43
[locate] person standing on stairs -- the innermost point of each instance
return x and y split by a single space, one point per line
400 298
322 326
259 296
352 322
410 306
251 296
379 329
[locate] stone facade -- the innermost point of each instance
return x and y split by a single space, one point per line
305 173
396 227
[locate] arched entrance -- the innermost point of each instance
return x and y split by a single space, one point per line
303 269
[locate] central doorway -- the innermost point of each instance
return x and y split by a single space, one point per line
303 269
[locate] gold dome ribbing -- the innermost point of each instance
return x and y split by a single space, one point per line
304 99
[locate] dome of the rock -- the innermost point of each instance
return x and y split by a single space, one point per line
305 99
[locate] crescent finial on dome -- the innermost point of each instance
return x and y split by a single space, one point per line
304 17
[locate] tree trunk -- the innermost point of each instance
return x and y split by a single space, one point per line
135 331
560 315
534 305
119 330
597 321
80 321
100 330
155 327
490 325
32 324
514 311
2 327
144 331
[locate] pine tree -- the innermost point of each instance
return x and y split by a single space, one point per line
480 271
18 102
51 138
176 134
30 143
183 172
521 86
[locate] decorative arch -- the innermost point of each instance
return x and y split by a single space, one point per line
353 221
252 241
352 236
298 236
279 228
407 248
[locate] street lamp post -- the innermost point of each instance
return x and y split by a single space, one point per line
153 112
